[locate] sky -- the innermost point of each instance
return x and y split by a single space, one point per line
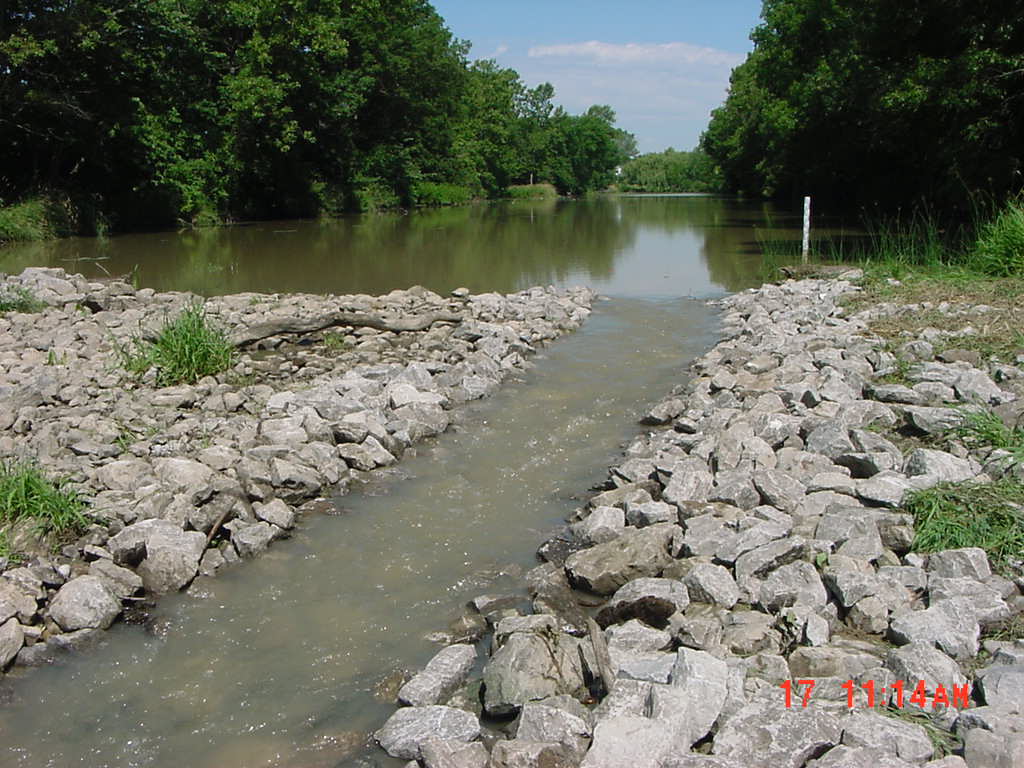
661 65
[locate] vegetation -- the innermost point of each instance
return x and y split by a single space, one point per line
19 299
873 103
187 348
671 171
164 111
27 494
999 251
986 515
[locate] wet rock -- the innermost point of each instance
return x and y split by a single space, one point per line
606 567
250 539
275 512
529 754
84 602
652 600
411 727
129 546
121 581
603 524
442 676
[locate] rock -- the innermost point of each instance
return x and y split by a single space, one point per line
749 632
692 703
543 723
830 661
129 546
606 567
779 489
442 676
629 740
636 636
708 583
603 524
84 602
950 625
986 602
922 661
652 600
938 467
792 584
885 489
967 563
651 512
888 735
765 733
11 640
411 727
767 558
529 754
849 586
530 667
121 581
172 559
932 421
869 615
1003 687
449 753
250 539
275 512
648 667
858 757
829 440
15 602
984 749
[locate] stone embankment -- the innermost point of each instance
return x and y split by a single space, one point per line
754 538
186 480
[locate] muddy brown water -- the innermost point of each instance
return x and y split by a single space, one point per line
276 661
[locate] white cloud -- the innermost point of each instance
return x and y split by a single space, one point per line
498 51
640 53
663 92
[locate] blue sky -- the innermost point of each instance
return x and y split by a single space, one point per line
662 66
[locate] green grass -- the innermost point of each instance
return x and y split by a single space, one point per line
335 342
532 192
25 222
986 515
18 299
943 741
984 429
429 194
26 493
187 348
999 251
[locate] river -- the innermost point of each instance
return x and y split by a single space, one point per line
275 662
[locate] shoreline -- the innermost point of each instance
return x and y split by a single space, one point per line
755 537
185 480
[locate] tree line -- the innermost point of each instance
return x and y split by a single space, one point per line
920 101
671 171
162 111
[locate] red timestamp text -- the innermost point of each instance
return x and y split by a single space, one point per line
900 694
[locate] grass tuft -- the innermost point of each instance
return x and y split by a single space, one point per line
19 299
985 429
187 348
1000 248
26 493
986 515
944 741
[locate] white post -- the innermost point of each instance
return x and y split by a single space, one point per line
807 228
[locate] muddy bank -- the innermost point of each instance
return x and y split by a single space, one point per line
755 538
186 480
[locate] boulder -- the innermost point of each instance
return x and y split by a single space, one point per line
709 583
629 740
11 640
85 602
442 676
636 553
949 625
922 661
518 753
172 559
908 741
796 583
652 600
410 727
530 667
450 753
544 723
966 563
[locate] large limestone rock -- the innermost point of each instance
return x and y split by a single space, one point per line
442 676
638 553
950 625
907 740
172 560
410 727
764 732
629 740
651 600
530 667
11 640
84 603
541 722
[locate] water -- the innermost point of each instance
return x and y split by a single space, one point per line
275 663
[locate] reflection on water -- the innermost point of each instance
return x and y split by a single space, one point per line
635 246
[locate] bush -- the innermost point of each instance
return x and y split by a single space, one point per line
26 493
428 194
187 348
1000 248
25 222
532 192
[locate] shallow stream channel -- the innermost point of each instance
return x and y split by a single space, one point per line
279 661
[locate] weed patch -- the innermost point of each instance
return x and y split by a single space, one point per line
944 741
26 493
187 348
1000 248
986 515
18 299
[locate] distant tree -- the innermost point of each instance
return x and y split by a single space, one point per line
671 171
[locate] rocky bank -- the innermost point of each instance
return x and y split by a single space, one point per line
183 481
754 537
